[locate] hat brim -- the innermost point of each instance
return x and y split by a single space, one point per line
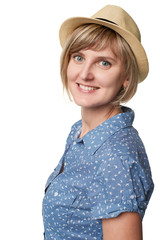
71 24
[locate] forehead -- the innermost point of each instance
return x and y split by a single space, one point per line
106 53
110 45
101 46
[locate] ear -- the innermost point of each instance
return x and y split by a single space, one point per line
125 83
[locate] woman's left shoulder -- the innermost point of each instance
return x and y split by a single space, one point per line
126 142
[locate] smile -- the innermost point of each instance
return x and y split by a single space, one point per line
87 88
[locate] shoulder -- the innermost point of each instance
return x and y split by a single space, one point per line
124 150
126 142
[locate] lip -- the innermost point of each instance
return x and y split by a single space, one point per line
87 88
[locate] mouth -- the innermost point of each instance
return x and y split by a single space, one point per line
87 88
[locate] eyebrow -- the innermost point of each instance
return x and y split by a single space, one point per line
107 58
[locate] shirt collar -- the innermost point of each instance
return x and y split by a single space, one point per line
95 138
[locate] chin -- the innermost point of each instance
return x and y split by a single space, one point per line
86 104
83 104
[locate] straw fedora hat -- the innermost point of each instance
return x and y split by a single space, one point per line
120 21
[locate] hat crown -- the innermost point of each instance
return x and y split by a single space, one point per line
120 17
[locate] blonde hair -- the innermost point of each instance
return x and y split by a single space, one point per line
97 37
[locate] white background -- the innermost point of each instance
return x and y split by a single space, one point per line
35 116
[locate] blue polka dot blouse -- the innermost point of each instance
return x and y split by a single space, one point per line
105 173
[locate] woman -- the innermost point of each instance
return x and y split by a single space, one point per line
102 184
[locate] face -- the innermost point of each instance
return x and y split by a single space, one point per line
95 77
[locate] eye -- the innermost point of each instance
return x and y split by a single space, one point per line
105 64
78 58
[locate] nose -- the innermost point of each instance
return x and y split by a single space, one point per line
86 72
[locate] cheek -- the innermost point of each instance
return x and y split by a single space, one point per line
71 77
71 74
68 72
112 86
108 82
112 80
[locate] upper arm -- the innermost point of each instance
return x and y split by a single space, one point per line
127 226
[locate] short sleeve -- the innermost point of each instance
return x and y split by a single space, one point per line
121 184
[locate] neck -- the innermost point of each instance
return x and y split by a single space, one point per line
91 118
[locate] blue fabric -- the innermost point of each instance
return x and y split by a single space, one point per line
105 173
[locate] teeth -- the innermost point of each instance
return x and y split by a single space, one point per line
87 88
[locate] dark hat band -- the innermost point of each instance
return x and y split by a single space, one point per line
103 19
